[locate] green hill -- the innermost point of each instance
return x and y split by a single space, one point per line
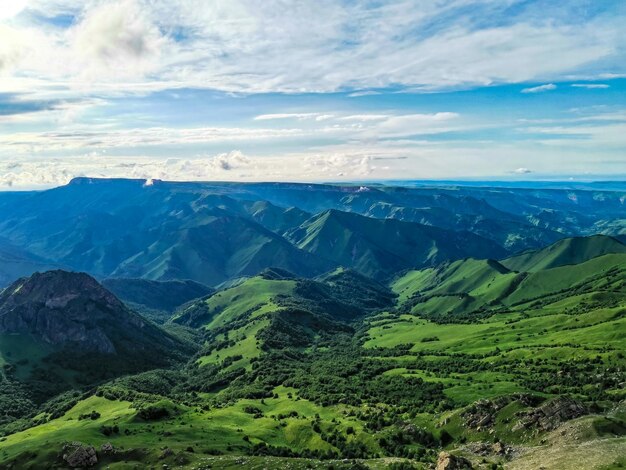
564 252
470 288
381 247
276 310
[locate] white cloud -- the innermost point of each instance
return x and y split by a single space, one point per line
13 47
522 171
299 116
540 88
328 45
358 94
225 166
591 86
369 126
117 39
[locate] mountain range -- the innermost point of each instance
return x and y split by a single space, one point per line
221 325
215 232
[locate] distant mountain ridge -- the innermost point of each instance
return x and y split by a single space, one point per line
216 232
381 247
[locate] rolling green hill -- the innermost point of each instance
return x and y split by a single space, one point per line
564 252
276 310
469 288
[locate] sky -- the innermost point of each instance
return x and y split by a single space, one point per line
331 90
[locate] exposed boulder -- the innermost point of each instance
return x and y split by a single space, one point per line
107 448
78 455
448 461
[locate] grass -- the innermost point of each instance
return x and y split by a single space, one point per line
214 430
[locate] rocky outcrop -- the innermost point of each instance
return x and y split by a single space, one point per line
482 414
448 461
77 455
551 414
490 449
66 308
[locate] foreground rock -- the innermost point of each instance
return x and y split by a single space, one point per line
77 455
448 461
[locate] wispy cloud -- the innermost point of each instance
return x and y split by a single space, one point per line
330 45
358 94
591 86
540 88
298 116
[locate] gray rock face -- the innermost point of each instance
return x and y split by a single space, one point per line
551 414
62 307
77 455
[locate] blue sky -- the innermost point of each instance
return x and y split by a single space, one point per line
317 91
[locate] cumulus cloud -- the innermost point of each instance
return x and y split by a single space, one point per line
522 171
226 166
13 47
117 39
540 88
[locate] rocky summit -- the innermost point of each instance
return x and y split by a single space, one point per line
63 308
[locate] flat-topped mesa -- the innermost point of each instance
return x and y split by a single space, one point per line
65 308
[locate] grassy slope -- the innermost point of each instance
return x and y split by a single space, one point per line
218 429
564 252
469 287
254 298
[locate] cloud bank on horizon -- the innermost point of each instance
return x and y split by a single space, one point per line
326 90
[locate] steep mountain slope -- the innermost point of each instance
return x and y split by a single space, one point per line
508 231
16 262
220 248
60 330
163 296
71 310
378 248
276 219
567 251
